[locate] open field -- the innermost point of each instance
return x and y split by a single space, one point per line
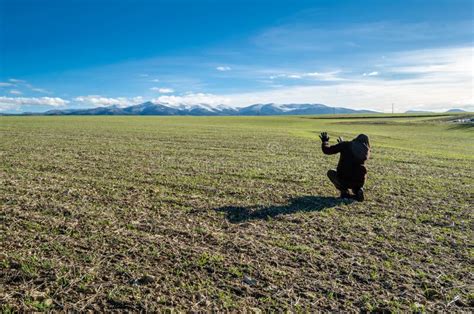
146 213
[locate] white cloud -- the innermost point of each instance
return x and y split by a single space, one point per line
272 77
313 74
223 68
162 90
13 102
16 81
445 63
193 99
15 92
155 80
434 79
376 95
321 76
373 73
24 84
39 90
99 101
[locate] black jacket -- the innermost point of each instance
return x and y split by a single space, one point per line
351 168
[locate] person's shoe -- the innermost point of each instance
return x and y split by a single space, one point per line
359 195
345 194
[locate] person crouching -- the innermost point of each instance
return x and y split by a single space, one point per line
351 172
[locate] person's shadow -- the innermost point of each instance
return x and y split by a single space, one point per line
236 214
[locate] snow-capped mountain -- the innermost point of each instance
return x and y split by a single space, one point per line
161 109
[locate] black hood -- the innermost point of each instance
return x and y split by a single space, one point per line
361 147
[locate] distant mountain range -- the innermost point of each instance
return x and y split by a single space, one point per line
454 110
150 108
161 109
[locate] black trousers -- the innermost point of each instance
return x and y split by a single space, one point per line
340 184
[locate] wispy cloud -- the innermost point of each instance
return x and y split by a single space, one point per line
16 81
14 102
40 90
223 68
377 96
373 73
24 85
454 62
434 79
322 76
313 37
99 101
162 90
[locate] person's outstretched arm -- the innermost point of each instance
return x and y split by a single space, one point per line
328 149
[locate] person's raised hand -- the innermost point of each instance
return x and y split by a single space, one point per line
340 139
324 137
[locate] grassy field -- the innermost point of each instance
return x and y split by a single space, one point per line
147 213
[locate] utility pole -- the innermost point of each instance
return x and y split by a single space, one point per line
392 109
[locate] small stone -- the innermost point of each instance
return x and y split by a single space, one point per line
145 280
250 281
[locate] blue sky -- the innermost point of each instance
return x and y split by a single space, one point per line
357 54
